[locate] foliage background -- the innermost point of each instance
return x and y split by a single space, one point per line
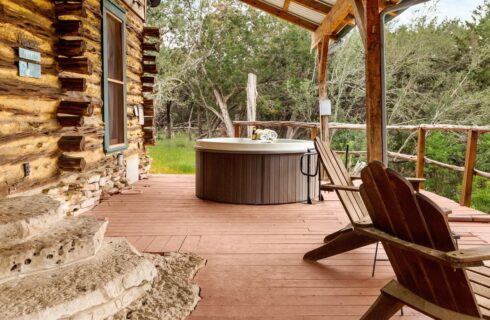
436 73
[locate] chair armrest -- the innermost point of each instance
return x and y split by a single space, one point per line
469 256
333 187
415 182
453 259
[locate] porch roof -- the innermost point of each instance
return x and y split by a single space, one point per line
313 14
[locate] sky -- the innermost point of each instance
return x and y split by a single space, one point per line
461 9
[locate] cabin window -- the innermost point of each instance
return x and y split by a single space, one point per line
114 70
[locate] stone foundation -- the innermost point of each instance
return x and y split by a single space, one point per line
81 192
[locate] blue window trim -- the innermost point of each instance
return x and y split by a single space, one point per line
115 10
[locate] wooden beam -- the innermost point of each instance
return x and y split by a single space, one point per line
73 84
67 163
153 32
469 168
285 7
420 154
334 19
360 17
238 130
315 5
76 108
314 133
72 143
66 28
322 53
374 109
278 12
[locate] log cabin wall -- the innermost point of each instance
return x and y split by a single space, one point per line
33 131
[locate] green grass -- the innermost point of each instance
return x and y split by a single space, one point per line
173 156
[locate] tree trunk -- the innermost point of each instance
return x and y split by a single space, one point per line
223 105
169 119
251 100
190 124
290 130
208 123
199 124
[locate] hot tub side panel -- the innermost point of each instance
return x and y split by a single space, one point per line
250 178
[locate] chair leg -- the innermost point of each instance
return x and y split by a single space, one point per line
375 259
344 241
383 308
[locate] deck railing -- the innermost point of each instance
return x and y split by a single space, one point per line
469 169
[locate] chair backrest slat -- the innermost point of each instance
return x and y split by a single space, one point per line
338 175
396 209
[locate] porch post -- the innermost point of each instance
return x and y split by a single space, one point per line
322 53
375 118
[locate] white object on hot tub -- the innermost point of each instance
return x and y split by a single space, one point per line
249 145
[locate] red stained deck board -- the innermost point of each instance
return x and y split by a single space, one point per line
254 254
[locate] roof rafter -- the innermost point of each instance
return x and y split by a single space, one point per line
314 5
280 13
334 19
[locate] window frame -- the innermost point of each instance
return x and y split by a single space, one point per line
109 8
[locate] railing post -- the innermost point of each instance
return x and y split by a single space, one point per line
420 155
238 130
469 168
314 133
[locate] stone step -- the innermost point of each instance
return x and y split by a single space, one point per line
69 240
93 289
22 217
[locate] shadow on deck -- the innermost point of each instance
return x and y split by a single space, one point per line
255 268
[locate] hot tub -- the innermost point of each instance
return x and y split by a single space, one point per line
245 171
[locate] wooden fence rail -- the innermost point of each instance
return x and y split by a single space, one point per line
292 124
469 170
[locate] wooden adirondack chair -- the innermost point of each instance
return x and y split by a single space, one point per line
345 239
432 276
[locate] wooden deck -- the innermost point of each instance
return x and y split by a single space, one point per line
255 268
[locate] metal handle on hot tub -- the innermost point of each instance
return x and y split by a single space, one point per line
311 152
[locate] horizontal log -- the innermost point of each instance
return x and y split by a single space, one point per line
70 121
76 65
291 124
149 122
17 86
73 84
72 143
354 126
148 80
67 163
66 28
148 135
482 174
75 8
427 127
148 103
148 112
150 68
408 157
151 32
151 47
77 108
148 58
71 48
147 88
